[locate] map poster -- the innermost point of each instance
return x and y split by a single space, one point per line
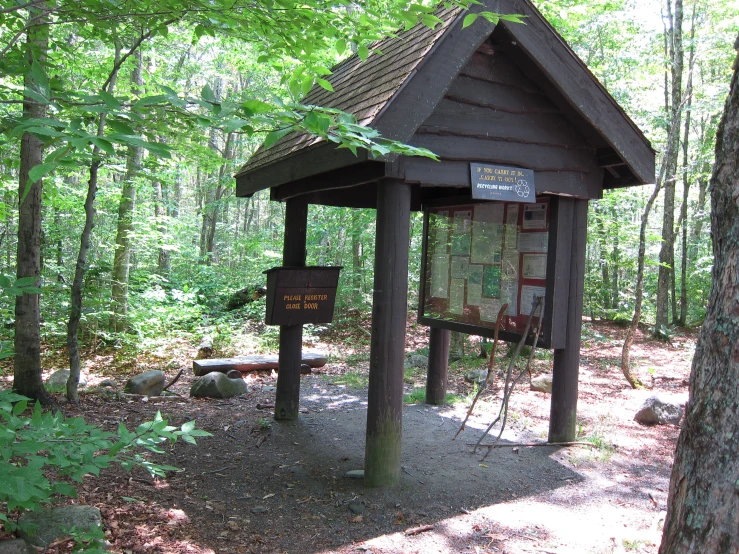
491 281
527 298
456 297
440 276
534 266
474 285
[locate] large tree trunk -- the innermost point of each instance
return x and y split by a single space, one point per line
27 362
703 502
675 48
122 255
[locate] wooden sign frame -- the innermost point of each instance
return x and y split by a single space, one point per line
553 333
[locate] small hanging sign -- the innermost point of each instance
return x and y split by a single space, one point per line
502 182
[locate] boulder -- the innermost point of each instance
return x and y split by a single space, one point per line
52 523
16 546
217 385
148 383
476 376
542 383
660 410
416 361
58 379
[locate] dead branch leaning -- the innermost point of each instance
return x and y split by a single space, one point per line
508 388
509 391
484 387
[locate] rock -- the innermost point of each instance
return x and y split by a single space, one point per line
58 379
148 383
659 410
355 474
16 546
217 385
52 522
107 383
416 361
258 510
542 383
234 374
356 508
476 376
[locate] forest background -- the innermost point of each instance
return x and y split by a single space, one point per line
165 110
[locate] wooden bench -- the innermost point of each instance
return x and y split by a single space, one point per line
254 362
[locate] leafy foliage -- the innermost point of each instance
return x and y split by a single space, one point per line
34 442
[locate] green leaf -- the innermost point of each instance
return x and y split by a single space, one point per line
469 19
4 281
39 171
363 52
255 106
110 100
40 79
150 101
325 84
340 46
274 136
188 426
25 282
207 94
44 131
120 127
103 145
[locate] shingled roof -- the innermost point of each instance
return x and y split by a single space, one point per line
395 91
362 88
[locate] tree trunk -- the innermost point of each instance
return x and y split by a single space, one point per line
27 362
122 256
163 259
675 46
672 139
683 317
703 502
356 232
456 346
75 308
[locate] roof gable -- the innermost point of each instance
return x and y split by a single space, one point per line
397 91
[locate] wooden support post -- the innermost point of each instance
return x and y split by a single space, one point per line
563 415
387 346
287 396
436 376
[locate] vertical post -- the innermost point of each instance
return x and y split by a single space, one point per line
563 415
387 346
287 396
436 376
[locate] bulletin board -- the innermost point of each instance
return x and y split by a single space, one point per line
478 256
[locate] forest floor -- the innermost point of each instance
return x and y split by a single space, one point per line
261 486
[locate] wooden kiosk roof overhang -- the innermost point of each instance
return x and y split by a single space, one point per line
508 93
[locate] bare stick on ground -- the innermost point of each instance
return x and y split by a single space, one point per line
484 387
508 384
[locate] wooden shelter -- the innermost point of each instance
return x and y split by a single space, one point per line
507 94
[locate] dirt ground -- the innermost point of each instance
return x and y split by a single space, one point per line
261 486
